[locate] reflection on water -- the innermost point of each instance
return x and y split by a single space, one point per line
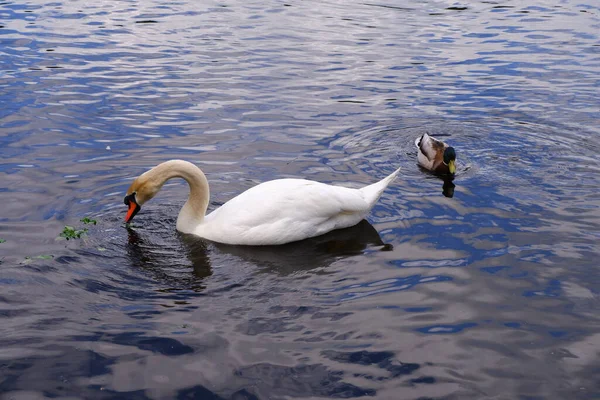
305 255
489 289
448 181
318 252
448 187
151 257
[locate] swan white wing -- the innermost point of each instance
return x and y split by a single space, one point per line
283 211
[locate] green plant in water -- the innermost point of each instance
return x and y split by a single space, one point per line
40 257
2 240
29 259
71 233
87 220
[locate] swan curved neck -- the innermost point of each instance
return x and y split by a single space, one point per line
193 211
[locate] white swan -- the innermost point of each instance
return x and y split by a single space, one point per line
273 212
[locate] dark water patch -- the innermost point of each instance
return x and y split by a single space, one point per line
361 357
301 381
200 392
166 346
11 313
428 380
54 374
381 359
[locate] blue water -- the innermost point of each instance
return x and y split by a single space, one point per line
491 293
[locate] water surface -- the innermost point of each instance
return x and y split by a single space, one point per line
490 293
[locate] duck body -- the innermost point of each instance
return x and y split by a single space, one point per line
271 213
435 155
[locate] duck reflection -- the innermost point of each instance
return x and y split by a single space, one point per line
448 187
165 261
447 179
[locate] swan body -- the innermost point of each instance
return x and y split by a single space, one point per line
435 155
271 213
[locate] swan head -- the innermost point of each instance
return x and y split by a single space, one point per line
140 191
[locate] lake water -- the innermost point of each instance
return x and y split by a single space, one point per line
491 293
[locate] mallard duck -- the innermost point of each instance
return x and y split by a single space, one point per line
274 212
435 155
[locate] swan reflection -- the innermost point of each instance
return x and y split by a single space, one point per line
170 262
306 254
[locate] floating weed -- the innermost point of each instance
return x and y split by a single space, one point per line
71 233
2 240
29 259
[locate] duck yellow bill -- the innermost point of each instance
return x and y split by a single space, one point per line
452 167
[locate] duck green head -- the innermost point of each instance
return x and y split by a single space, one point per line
449 159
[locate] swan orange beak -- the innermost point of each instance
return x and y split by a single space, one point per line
134 207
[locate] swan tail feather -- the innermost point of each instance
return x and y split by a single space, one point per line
374 191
